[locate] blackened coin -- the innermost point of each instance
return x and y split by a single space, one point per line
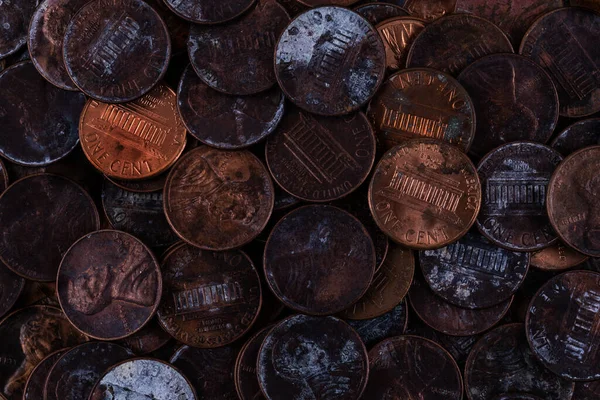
11 287
379 12
397 35
430 9
34 388
557 257
208 11
374 330
587 391
149 339
246 381
14 21
581 134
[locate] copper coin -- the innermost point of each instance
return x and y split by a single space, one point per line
11 287
575 137
330 61
237 58
74 375
412 367
422 103
41 217
374 330
379 12
148 340
453 42
557 257
208 11
515 180
3 177
502 362
231 193
312 357
398 35
318 158
515 99
425 194
573 195
109 285
224 121
154 184
563 42
587 391
246 380
34 388
14 20
430 9
319 260
39 120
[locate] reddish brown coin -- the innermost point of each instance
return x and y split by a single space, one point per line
109 285
208 11
397 35
379 12
246 381
14 20
34 388
374 330
575 137
425 194
557 257
430 9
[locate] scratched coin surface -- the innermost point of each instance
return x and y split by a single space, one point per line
316 158
514 178
581 134
453 42
379 12
563 42
246 381
319 260
557 257
329 61
430 9
424 103
237 58
208 11
218 200
109 285
14 21
514 98
11 287
374 330
397 35
41 217
307 357
34 388
425 194
116 50
502 362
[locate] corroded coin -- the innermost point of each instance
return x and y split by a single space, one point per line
34 388
208 11
425 194
425 103
14 20
557 257
379 12
312 357
374 330
397 35
11 287
329 61
246 381
317 158
319 260
430 9
147 340
581 134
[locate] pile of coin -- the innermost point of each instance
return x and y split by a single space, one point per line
299 199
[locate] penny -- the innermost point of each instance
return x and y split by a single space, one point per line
329 61
581 134
116 50
237 58
41 217
109 285
224 121
147 340
502 362
515 180
230 192
14 19
453 42
154 184
425 194
573 198
514 98
562 41
207 11
587 390
34 388
11 287
246 381
557 257
319 260
374 330
407 367
39 120
397 35
306 356
3 177
317 158
422 103
379 12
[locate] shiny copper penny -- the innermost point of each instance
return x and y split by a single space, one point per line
562 41
453 42
425 194
318 158
514 98
422 103
397 35
319 260
109 285
231 193
34 388
581 134
379 12
14 20
374 330
306 356
515 180
329 61
412 367
587 391
502 362
207 11
41 217
148 340
11 287
246 381
557 257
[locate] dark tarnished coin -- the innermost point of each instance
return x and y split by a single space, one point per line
224 121
306 357
329 61
319 260
318 158
39 121
587 391
374 330
581 134
425 194
246 380
41 217
208 11
423 103
147 340
229 193
34 388
116 50
11 287
563 327
412 367
557 257
14 21
237 58
397 35
109 285
379 12
564 43
502 362
514 179
514 98
430 9
455 41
